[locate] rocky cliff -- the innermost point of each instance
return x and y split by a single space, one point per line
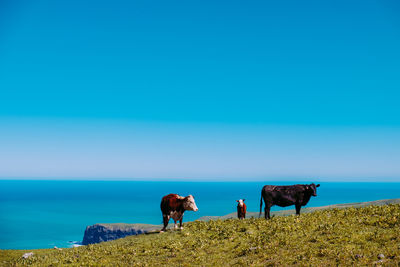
105 232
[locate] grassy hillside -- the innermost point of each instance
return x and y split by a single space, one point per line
349 236
233 215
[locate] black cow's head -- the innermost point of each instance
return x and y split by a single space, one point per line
312 188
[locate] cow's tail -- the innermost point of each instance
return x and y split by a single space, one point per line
261 203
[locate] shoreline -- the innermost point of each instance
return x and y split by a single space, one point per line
151 228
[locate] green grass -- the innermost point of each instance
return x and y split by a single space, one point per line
349 236
307 210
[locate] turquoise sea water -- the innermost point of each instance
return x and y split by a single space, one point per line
44 214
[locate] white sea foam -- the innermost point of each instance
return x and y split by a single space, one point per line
74 244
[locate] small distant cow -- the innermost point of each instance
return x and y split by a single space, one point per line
173 206
241 209
284 196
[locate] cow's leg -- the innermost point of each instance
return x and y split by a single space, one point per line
180 223
266 211
175 225
165 221
298 207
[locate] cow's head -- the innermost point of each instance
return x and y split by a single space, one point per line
312 188
241 202
189 203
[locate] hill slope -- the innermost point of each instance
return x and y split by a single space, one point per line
349 236
233 215
105 232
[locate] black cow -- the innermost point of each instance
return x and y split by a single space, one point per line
288 195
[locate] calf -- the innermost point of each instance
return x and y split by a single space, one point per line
174 206
241 209
284 196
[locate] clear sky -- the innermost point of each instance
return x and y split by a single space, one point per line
231 90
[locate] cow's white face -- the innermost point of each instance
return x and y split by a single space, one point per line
241 202
189 203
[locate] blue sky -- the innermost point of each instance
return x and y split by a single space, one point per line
200 90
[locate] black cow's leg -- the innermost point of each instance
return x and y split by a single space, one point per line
165 221
298 207
180 223
266 211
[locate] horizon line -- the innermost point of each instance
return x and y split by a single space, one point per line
239 180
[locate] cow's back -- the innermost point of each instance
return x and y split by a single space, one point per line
283 189
269 188
170 203
283 196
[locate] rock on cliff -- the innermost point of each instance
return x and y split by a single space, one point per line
105 232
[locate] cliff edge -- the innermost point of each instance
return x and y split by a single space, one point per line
105 232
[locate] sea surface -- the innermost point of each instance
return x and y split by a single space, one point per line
44 214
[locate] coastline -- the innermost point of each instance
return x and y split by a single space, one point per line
141 228
112 231
45 214
363 236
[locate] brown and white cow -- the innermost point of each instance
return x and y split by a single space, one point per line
173 206
241 209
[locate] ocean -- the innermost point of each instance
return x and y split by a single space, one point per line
43 214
